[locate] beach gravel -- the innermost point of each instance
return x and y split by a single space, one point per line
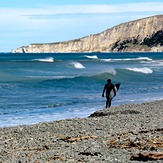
117 134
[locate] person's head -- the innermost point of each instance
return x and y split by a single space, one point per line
109 81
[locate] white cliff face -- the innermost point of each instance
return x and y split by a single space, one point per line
107 41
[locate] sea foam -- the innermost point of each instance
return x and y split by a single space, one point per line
91 57
129 59
77 65
49 59
144 70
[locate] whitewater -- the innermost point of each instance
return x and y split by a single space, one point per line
45 87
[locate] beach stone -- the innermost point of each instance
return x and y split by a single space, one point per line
111 135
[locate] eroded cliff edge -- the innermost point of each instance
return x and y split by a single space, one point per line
143 35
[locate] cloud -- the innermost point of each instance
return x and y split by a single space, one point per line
70 10
52 12
21 26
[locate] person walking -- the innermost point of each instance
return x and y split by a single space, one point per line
107 88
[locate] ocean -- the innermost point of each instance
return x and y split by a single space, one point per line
46 87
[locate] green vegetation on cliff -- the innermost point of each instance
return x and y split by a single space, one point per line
155 39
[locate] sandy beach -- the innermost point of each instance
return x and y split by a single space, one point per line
126 133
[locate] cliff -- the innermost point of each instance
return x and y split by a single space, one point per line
143 35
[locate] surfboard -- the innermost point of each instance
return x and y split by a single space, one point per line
116 86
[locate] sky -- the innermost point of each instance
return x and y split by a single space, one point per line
46 21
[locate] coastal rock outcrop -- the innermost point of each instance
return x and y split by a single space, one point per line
143 35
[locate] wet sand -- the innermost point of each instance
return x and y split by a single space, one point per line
118 134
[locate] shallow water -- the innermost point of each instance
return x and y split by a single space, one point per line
46 87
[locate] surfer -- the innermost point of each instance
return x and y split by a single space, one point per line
108 87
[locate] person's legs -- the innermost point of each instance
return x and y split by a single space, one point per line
108 102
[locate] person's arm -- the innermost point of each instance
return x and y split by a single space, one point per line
103 91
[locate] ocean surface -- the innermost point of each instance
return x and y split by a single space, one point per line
45 87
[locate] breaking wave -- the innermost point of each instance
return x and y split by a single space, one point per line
144 70
91 57
77 65
49 59
127 59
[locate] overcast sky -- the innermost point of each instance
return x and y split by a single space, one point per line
39 21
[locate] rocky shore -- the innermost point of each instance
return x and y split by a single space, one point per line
126 133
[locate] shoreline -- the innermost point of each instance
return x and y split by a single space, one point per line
115 134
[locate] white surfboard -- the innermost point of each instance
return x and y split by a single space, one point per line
116 87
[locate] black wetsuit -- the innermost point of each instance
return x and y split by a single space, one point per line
108 87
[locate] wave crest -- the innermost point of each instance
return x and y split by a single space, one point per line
49 59
127 59
91 57
144 70
77 65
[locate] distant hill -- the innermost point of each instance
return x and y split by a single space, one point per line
143 35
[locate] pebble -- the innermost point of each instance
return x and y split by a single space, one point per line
109 135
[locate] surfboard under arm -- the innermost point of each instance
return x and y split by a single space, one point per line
116 87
